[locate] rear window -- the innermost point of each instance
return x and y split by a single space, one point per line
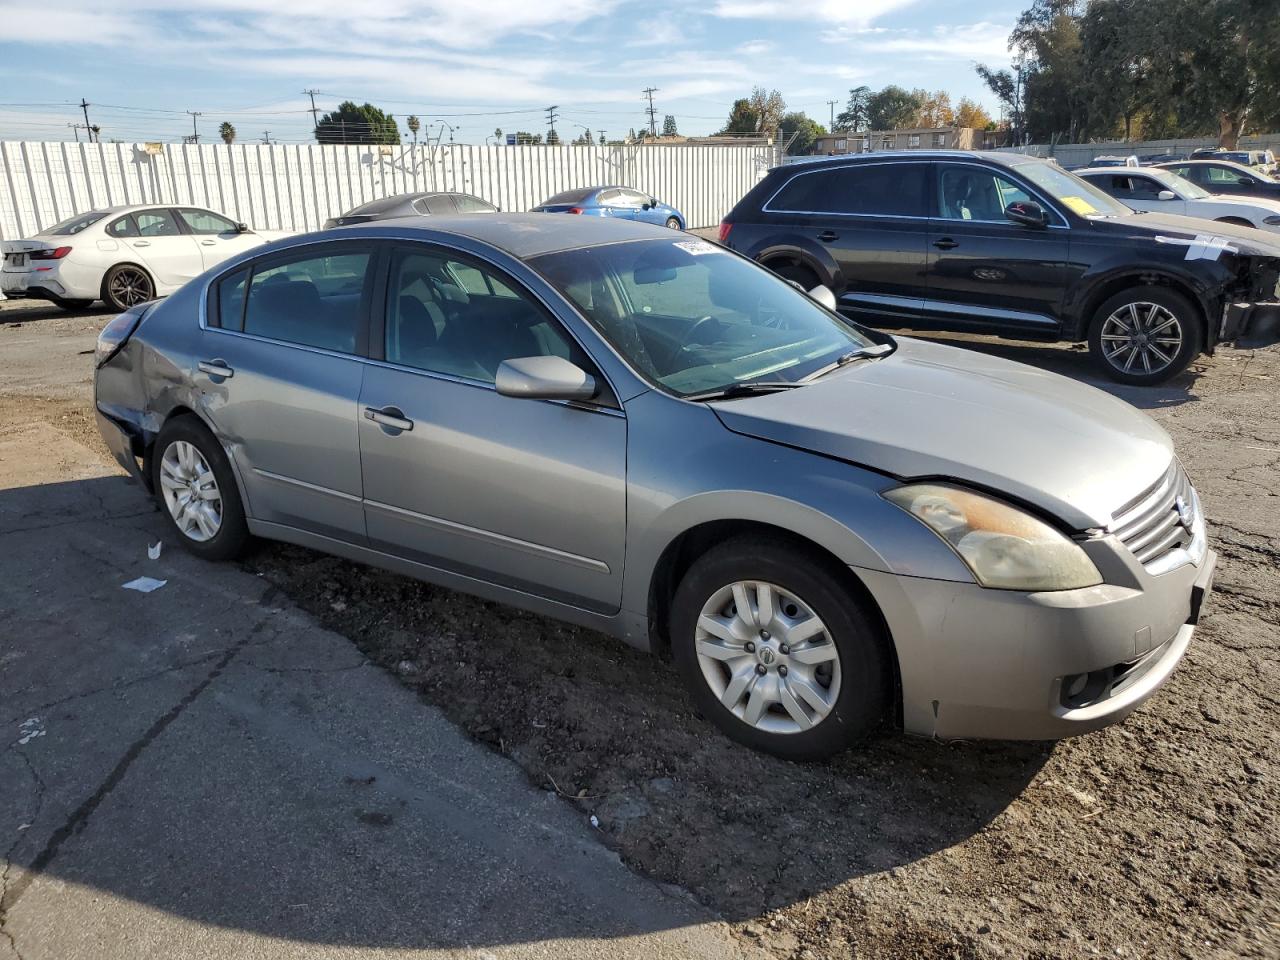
571 196
879 189
69 228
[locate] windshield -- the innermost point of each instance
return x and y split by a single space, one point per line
1080 197
69 228
695 318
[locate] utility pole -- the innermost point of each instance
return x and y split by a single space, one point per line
315 113
76 128
195 134
653 123
84 105
266 136
832 105
551 121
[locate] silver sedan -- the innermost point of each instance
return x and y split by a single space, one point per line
827 528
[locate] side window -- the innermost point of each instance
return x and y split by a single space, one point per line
609 198
469 204
123 227
1222 175
312 300
435 323
1144 188
439 206
206 222
156 223
633 198
970 193
230 300
873 189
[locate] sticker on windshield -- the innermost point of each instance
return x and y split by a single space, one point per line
1080 205
1204 247
695 247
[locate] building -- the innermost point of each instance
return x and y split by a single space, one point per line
921 138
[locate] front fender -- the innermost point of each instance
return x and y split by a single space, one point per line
1205 283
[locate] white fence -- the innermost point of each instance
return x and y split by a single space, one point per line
1071 154
298 187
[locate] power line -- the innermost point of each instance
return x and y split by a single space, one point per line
653 123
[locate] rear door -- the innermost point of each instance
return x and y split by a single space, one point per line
529 494
987 273
158 242
280 374
872 219
217 236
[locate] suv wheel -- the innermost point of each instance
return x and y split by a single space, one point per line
196 490
1146 335
776 650
796 272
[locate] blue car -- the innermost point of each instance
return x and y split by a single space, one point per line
620 202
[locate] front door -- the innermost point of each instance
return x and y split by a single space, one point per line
280 380
986 272
217 236
529 494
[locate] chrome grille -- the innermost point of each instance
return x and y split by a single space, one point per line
1162 519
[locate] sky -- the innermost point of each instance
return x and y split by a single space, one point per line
479 66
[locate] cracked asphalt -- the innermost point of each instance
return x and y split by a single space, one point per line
224 766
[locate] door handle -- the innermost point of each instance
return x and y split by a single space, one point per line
828 235
946 243
390 417
142 243
216 368
209 243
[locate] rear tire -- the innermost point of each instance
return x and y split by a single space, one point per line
127 285
803 673
1146 335
196 490
796 272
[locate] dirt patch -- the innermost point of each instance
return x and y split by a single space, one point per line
1156 838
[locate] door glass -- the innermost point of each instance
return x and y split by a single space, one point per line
970 193
124 227
205 222
1144 188
469 204
439 206
230 300
872 189
156 223
1223 175
314 301
448 316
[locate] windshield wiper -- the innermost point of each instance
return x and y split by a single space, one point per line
862 353
747 389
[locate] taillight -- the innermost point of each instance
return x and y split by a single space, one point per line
115 333
574 210
56 253
725 227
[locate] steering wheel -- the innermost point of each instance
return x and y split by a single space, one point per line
699 324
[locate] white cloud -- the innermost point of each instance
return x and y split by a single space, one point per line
754 48
846 12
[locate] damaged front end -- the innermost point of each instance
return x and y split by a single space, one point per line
1251 308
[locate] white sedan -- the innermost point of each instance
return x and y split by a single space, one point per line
1161 191
122 255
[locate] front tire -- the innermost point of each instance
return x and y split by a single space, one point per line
196 490
776 649
127 285
673 223
1146 335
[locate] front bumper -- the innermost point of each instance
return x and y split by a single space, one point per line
979 663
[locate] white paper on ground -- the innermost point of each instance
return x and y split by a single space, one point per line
153 551
145 584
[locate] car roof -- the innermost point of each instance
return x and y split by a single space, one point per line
1004 159
1122 171
1199 161
523 235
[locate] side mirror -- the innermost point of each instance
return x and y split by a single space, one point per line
823 295
242 228
1166 195
1243 181
544 378
1026 213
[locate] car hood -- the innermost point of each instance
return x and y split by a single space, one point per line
1170 228
931 411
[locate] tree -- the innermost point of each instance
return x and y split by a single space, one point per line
1008 90
806 129
553 138
357 124
497 134
893 108
970 113
769 108
669 126
935 109
742 119
524 137
854 116
414 125
227 132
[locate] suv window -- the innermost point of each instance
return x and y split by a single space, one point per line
310 300
205 221
449 316
972 193
156 223
1217 174
870 189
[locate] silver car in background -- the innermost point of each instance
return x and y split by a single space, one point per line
648 435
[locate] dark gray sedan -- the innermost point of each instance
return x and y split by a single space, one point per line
644 433
432 204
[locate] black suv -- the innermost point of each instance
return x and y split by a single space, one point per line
1015 246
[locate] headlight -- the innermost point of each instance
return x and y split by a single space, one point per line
1272 221
1005 547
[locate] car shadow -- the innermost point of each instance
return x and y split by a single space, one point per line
1073 360
290 790
15 311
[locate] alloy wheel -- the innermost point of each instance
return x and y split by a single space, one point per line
1141 337
767 657
130 286
190 491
